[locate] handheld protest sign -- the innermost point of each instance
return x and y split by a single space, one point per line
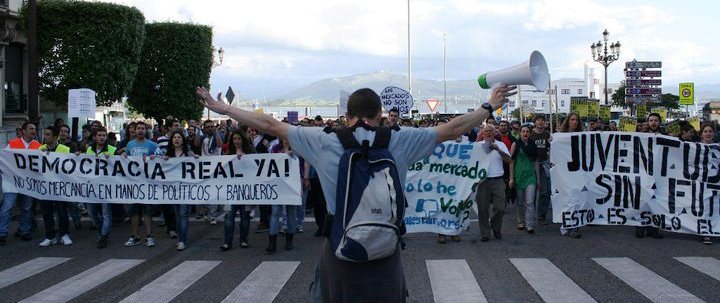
395 97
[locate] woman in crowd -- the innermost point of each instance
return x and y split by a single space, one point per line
707 136
180 148
524 177
571 124
239 144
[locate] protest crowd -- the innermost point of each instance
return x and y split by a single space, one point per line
523 169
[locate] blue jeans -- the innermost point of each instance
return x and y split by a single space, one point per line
24 203
230 224
277 211
101 214
543 199
301 211
48 213
181 218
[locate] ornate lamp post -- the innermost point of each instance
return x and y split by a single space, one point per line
217 61
600 54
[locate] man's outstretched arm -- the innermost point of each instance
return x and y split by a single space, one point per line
263 123
466 122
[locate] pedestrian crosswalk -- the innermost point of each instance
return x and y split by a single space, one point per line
450 280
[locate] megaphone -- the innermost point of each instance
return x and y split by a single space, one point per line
533 72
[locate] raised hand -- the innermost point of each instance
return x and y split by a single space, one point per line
500 95
207 101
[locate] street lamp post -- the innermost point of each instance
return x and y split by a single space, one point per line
445 71
600 54
217 61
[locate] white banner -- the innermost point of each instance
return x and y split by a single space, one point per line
257 179
439 189
635 179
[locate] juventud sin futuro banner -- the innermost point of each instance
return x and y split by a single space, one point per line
635 179
254 179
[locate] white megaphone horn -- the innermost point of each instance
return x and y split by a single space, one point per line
533 72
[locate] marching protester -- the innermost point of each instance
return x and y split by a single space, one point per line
338 280
541 137
491 192
24 202
101 213
140 147
290 213
179 148
50 207
210 143
653 126
524 178
571 124
163 142
239 144
707 136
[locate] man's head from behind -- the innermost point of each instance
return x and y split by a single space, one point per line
364 104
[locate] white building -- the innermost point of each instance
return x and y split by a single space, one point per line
589 86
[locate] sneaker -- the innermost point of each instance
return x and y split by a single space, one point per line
173 235
299 230
149 241
213 221
707 240
244 245
48 242
132 242
103 242
520 226
65 240
180 246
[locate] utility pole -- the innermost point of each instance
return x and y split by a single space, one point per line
409 52
445 71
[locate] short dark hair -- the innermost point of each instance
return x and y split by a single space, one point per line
86 127
656 115
363 103
25 125
394 109
516 122
539 117
54 130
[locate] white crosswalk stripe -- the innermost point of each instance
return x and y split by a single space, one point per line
447 276
550 283
84 281
645 281
264 283
171 284
28 269
706 265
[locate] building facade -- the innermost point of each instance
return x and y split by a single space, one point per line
13 70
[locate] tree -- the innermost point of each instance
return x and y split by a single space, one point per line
669 101
618 97
176 58
88 45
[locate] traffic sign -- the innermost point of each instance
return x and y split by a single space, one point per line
643 64
643 73
432 104
230 95
643 91
687 93
643 82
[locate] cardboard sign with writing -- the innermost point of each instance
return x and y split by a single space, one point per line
395 97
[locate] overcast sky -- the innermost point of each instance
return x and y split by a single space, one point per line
274 46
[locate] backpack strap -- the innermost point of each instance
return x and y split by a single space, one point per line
382 137
346 137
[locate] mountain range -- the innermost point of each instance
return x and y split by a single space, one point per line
327 91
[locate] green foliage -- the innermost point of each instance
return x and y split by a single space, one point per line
670 101
618 97
88 45
176 58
